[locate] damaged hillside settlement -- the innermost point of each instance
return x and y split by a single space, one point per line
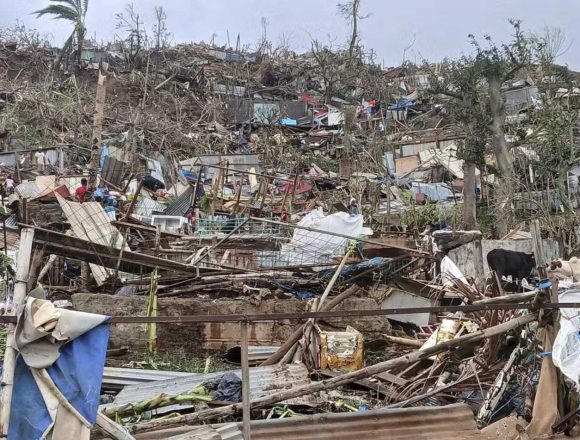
205 241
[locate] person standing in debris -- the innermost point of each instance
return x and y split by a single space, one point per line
375 106
9 185
191 221
40 159
81 191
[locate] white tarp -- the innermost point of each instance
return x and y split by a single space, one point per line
309 247
450 272
566 349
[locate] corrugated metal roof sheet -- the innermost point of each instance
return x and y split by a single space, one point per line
146 207
12 239
28 189
113 170
90 222
242 162
263 380
448 422
181 204
453 422
121 377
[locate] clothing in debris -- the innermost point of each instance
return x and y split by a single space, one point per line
227 388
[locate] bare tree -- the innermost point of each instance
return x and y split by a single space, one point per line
161 35
350 11
130 21
263 43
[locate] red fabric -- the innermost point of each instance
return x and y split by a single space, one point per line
80 193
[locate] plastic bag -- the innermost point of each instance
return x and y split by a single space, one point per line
566 349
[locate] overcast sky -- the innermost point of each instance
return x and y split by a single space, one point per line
432 29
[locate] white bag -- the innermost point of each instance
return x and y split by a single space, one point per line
566 349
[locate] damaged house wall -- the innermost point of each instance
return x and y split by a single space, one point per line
463 256
215 335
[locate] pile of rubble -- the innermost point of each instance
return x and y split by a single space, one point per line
230 204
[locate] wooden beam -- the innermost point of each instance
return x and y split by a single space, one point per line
132 262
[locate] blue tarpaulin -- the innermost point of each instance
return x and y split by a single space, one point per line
288 121
403 103
77 373
353 269
104 153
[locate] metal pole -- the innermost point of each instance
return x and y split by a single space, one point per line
20 291
4 225
245 381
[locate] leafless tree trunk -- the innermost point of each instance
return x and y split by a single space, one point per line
469 214
503 156
354 37
499 144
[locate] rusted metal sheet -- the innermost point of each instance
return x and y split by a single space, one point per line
452 422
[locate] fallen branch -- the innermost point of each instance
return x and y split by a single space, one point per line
336 382
404 341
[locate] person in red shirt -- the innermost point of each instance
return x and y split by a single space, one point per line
81 191
191 221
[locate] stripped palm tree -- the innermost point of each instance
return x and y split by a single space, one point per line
73 11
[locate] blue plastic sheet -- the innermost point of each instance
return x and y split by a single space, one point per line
77 373
353 269
104 154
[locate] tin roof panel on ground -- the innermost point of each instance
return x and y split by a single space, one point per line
449 422
453 422
263 381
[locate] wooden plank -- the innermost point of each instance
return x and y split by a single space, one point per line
131 262
112 429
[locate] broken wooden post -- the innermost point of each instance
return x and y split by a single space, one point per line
538 247
478 263
335 276
112 429
20 291
98 125
338 381
133 201
46 267
245 380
